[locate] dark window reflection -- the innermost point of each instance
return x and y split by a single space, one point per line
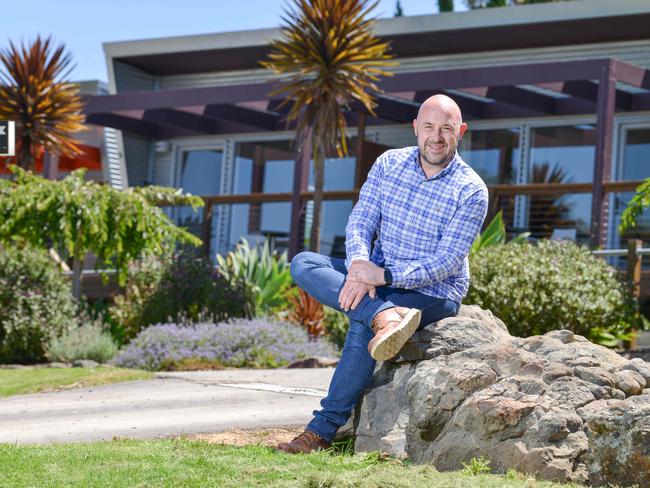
200 174
493 154
561 155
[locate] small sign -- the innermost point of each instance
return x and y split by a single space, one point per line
7 138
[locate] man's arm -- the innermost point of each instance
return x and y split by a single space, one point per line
457 239
364 218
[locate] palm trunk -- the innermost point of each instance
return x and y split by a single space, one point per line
319 180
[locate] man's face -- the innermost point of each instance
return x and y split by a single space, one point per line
438 133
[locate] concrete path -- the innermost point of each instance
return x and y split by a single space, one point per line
171 404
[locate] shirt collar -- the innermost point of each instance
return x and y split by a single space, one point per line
448 169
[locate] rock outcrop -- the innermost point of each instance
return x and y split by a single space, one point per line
555 405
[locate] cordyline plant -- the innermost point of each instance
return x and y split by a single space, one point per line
33 93
332 58
74 217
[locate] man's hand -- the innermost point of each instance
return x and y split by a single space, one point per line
352 293
363 271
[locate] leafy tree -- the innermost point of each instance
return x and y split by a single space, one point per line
75 217
33 92
445 5
331 58
639 202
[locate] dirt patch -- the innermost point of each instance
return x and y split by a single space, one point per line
265 437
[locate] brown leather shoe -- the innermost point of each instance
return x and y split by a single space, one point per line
393 327
305 443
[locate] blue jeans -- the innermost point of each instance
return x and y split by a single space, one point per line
323 277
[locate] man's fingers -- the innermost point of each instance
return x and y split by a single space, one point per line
372 293
357 299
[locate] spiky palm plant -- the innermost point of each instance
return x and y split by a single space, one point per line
34 93
331 58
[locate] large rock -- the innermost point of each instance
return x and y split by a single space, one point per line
555 405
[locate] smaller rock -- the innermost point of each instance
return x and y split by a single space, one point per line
630 382
640 366
85 363
555 371
595 375
58 365
564 336
315 362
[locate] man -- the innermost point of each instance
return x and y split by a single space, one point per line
427 207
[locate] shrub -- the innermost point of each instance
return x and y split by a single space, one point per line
36 304
336 326
550 285
263 273
241 343
88 341
182 288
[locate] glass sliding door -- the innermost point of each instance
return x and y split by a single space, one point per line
561 155
634 165
199 173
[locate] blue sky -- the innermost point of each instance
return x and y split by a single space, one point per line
83 25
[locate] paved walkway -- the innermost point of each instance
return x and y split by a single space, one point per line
171 404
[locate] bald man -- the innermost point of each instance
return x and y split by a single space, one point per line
426 206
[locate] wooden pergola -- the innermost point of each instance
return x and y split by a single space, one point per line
602 87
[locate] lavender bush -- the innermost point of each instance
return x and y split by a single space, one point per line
254 343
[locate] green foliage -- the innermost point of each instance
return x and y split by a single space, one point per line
75 217
445 6
494 234
640 201
89 341
551 285
264 275
35 304
476 466
336 326
182 287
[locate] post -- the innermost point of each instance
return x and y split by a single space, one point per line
361 136
634 273
300 181
207 226
603 159
50 165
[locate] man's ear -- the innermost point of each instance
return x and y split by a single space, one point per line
463 127
415 127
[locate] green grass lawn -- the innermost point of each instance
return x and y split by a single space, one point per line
182 462
32 380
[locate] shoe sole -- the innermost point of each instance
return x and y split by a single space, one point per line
389 345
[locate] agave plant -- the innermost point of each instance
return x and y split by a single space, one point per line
264 274
308 312
331 57
33 92
494 234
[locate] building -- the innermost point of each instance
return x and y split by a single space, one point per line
92 147
557 97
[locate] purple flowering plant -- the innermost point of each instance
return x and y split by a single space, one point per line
257 343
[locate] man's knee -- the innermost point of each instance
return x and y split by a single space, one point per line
301 262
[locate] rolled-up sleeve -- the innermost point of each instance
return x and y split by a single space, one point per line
364 218
453 248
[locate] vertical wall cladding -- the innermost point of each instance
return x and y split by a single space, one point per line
137 150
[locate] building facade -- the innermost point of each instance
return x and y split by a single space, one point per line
557 97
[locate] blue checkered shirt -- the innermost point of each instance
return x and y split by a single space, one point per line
425 227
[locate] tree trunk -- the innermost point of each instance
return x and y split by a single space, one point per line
77 267
319 181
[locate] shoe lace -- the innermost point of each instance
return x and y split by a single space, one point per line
309 436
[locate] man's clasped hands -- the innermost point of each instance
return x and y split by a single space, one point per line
362 279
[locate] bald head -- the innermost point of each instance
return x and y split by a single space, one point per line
443 104
438 127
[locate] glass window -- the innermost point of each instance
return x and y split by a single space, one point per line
634 166
200 174
561 155
493 154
